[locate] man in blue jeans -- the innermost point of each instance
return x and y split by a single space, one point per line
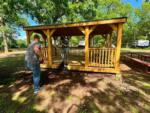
65 50
32 61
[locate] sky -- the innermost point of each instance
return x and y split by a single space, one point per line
22 32
134 3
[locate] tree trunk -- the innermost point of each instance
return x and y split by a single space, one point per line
2 24
5 43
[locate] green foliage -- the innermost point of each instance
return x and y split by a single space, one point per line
21 43
141 37
11 17
13 12
143 24
32 36
99 41
76 10
75 40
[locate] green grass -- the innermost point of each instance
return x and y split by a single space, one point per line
10 68
11 99
13 50
16 98
135 49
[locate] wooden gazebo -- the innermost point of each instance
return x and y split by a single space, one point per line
96 59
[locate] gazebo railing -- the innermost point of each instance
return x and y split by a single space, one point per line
44 54
102 57
98 57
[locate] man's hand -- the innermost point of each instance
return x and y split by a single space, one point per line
37 50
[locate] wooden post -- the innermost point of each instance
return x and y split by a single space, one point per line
87 31
118 47
49 34
28 37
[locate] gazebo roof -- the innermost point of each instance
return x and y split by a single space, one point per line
72 29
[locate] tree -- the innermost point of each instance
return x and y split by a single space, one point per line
143 15
46 12
62 11
147 1
21 43
11 12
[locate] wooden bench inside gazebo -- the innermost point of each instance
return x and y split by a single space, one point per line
93 59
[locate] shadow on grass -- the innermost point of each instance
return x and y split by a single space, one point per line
131 95
16 93
71 92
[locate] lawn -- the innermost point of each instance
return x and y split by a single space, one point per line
73 92
147 50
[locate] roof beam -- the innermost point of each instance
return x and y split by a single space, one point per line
114 27
90 29
79 24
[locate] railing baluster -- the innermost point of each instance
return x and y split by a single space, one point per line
100 57
43 52
93 57
97 57
114 57
113 52
105 57
106 53
90 57
109 57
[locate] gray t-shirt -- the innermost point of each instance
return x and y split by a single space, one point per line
31 57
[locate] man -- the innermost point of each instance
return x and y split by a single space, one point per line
65 50
32 61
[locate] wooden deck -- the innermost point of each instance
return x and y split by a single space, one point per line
80 66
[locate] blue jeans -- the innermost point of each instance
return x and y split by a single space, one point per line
64 54
36 74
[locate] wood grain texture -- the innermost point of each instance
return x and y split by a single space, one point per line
50 52
79 24
118 47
